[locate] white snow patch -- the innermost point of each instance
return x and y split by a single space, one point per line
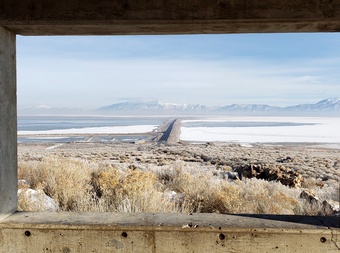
55 146
325 130
44 107
96 130
44 138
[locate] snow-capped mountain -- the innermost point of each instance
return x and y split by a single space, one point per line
330 105
326 105
248 108
154 106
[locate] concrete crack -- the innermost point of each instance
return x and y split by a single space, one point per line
333 239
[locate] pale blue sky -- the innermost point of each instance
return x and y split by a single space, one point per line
90 72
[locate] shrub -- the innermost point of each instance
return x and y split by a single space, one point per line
66 181
77 185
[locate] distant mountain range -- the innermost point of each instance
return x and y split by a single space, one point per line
330 106
326 106
155 106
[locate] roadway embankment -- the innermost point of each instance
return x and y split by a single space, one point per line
170 132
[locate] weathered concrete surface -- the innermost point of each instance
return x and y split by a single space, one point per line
110 232
117 232
41 17
8 124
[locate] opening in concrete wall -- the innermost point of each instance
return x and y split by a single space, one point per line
199 123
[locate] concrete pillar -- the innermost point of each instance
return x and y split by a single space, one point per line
8 124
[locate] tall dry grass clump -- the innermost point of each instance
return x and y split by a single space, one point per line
205 193
78 185
130 191
81 186
66 181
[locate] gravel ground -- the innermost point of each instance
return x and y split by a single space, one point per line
310 161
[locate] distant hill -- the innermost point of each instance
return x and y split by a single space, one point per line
47 110
253 108
154 106
327 106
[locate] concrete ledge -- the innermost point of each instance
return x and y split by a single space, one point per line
117 232
160 27
86 17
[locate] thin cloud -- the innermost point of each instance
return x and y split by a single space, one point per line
92 80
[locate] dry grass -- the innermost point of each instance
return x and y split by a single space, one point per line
78 185
66 181
208 194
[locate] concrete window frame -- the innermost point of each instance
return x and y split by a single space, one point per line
147 232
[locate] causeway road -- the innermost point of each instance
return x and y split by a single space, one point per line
171 134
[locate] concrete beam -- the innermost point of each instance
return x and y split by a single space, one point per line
126 232
87 17
8 124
